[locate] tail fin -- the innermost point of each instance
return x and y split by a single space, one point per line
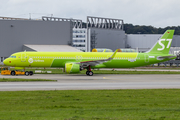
163 45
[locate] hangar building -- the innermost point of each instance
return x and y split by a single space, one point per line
99 33
15 33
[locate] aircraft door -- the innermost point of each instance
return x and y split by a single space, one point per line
23 57
146 56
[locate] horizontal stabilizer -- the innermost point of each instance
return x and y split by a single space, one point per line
164 57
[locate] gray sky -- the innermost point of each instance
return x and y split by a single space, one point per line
157 13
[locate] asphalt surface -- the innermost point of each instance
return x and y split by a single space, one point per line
98 81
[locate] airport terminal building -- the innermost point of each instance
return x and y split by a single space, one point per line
61 34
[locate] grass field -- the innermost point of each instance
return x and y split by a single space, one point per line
160 104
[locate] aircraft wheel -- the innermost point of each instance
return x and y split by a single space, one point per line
13 73
90 73
87 72
30 72
26 73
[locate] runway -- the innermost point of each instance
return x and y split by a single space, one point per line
83 82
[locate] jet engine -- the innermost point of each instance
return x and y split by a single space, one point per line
72 68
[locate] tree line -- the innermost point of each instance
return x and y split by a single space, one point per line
137 29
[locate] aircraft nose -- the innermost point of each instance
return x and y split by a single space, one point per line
6 61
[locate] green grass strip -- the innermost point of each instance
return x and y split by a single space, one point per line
151 104
22 80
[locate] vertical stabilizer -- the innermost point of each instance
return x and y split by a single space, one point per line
163 44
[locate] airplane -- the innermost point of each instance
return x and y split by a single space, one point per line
74 62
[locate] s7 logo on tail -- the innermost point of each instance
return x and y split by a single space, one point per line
162 45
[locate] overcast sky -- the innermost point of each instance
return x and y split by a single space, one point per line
157 13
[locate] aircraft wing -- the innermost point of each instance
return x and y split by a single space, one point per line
96 62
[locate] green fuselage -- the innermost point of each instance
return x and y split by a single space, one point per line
59 59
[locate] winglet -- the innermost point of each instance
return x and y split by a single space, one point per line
112 56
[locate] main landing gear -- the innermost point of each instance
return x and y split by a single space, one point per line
89 72
28 73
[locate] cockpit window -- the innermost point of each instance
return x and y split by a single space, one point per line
12 57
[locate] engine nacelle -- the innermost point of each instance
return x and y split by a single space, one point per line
72 68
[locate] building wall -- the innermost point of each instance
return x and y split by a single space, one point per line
106 38
145 41
15 33
176 41
142 40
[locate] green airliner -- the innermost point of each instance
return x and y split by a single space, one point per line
74 62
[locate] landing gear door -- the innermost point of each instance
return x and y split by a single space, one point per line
23 57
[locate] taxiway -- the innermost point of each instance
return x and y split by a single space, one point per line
98 81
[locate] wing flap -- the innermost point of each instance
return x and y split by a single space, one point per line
96 62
